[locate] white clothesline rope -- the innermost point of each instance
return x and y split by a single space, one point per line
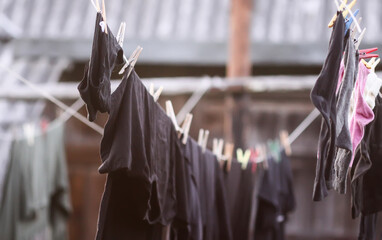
72 111
54 100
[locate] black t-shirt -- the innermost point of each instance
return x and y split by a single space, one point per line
242 210
324 99
95 85
138 150
276 199
188 221
232 182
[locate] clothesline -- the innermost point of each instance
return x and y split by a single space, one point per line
73 110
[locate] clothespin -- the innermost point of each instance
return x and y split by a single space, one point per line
104 14
131 61
344 13
186 127
200 137
156 94
374 65
218 148
205 140
368 64
284 139
334 18
353 31
365 53
243 157
170 112
96 5
121 33
349 21
228 151
29 133
359 39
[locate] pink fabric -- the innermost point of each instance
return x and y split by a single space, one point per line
363 114
340 75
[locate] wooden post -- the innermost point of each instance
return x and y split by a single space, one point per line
239 65
239 62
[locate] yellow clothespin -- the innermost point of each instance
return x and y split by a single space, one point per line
370 63
243 157
284 139
344 13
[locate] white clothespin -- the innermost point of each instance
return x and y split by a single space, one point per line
217 147
104 14
156 94
29 133
131 61
205 140
200 137
170 112
359 39
121 33
186 127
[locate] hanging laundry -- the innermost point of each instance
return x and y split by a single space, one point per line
95 88
36 203
344 151
323 98
276 199
139 151
188 220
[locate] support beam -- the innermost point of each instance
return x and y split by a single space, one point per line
239 65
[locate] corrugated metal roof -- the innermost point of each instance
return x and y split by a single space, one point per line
162 26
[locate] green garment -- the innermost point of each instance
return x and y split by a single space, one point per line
36 201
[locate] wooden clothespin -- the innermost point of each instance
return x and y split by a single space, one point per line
205 140
170 112
186 127
284 139
374 65
368 64
104 14
156 94
228 151
200 136
334 18
96 5
131 61
121 33
217 147
359 39
353 31
344 13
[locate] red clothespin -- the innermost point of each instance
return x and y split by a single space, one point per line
254 156
365 53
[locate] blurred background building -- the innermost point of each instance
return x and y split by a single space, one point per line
185 49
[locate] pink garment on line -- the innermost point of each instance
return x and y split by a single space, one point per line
340 75
363 114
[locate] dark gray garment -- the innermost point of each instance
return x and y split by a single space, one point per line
5 149
36 191
343 138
